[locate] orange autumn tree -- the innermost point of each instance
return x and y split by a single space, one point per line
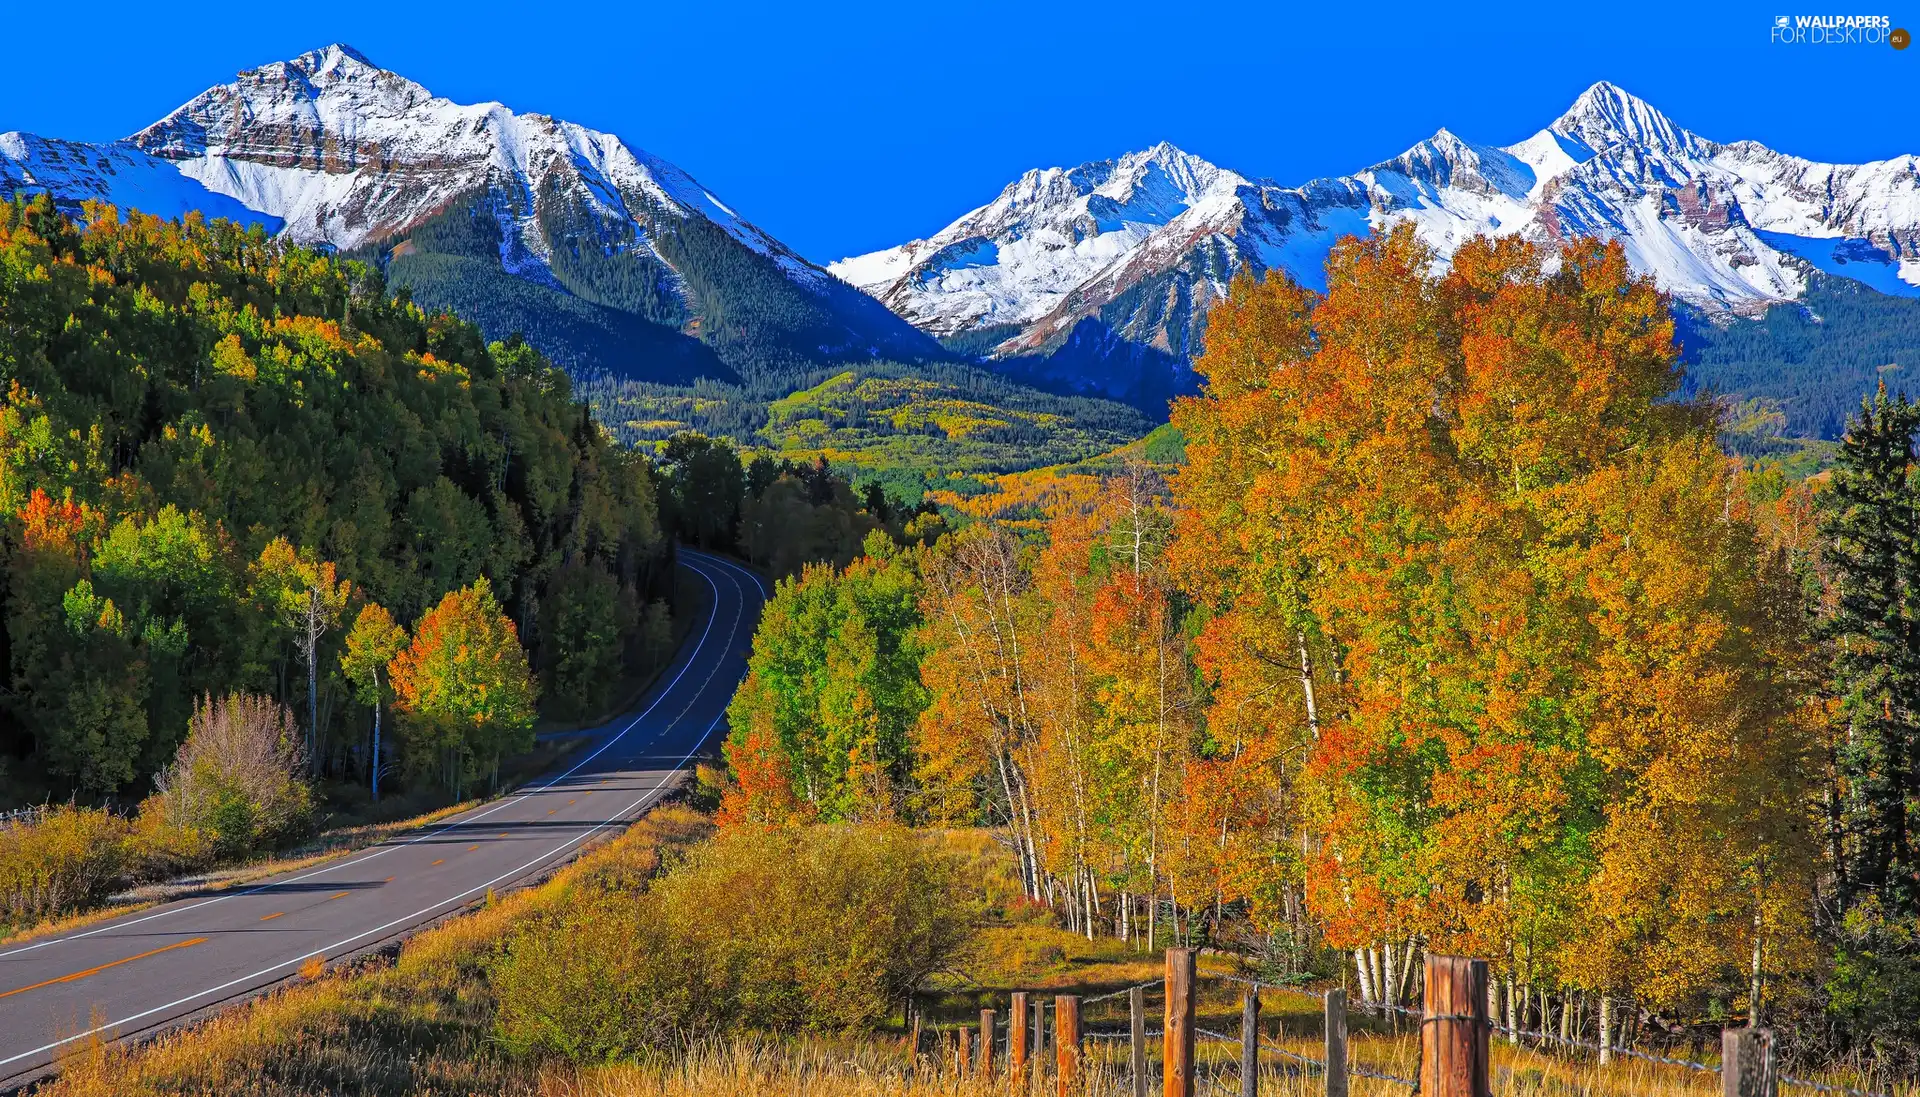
1478 599
463 688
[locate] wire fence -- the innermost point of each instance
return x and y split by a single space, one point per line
1037 1036
1528 1034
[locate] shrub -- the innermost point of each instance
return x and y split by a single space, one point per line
58 861
237 779
158 850
779 930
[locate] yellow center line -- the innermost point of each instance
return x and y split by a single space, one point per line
441 861
335 895
78 975
470 849
550 811
573 801
388 880
506 834
271 917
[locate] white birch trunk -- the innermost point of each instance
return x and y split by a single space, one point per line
1606 1030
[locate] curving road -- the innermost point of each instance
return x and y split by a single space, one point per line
151 970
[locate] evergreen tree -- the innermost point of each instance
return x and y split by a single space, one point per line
1870 538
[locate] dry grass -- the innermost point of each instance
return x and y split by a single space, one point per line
881 1068
789 1068
68 922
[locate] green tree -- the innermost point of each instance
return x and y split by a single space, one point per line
583 621
372 643
1870 535
79 682
705 482
835 675
307 597
172 574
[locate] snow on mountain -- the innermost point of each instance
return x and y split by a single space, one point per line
1729 228
125 177
1011 260
330 149
346 153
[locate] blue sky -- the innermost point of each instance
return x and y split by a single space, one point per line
841 128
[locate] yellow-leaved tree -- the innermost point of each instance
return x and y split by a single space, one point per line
1474 586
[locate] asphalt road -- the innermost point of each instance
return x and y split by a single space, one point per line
153 969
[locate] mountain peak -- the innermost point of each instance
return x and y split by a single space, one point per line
1446 159
1181 176
334 66
1164 152
337 58
1607 116
301 111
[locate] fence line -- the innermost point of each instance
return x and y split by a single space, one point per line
1453 1033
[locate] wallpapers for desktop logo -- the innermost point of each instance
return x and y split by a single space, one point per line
1838 30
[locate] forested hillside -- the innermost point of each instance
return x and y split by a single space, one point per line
220 453
687 303
933 425
1810 361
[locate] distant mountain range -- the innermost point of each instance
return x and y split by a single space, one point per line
1798 282
1099 276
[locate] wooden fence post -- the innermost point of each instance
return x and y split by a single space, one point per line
1039 1026
986 1044
1137 1038
1746 1061
1066 1043
1455 1030
1336 1072
962 1064
1250 1042
1017 1039
1177 1067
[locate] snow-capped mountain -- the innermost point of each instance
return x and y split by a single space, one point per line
329 149
1101 274
1014 259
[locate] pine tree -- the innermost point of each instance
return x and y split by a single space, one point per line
1870 538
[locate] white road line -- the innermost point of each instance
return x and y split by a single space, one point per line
765 591
388 847
421 913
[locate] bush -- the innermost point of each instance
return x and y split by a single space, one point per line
237 780
1874 988
819 928
158 850
58 861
